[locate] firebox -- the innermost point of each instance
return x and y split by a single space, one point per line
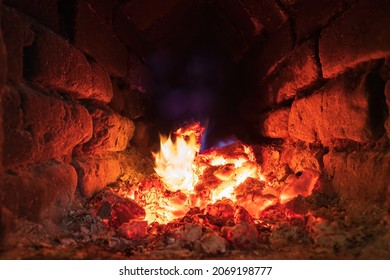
195 129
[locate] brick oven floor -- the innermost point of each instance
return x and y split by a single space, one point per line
83 236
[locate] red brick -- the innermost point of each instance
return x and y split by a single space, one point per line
17 34
339 110
267 13
3 73
234 43
359 176
300 157
242 17
127 32
40 127
41 193
310 16
361 34
274 124
111 132
101 84
117 102
55 64
144 136
144 13
301 71
103 9
96 172
104 47
45 12
275 50
138 75
387 94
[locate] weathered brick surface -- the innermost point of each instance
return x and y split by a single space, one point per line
301 71
54 63
103 9
269 158
275 50
145 136
44 11
41 127
299 157
267 13
359 35
143 16
243 16
41 192
96 172
387 94
310 16
127 32
138 75
359 176
339 110
96 39
111 132
17 34
101 83
275 123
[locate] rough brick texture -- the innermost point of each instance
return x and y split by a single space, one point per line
359 35
94 172
40 127
299 157
301 71
275 50
359 176
267 13
101 84
310 16
54 63
44 11
96 39
387 94
17 34
339 110
111 132
40 193
275 124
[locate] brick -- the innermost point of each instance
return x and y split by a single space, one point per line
111 132
301 72
40 193
40 127
234 43
144 13
3 74
117 102
105 48
45 12
127 32
242 17
55 64
339 110
300 157
361 34
359 176
96 172
275 50
387 95
103 9
274 124
269 158
138 75
17 35
101 83
311 16
267 13
144 136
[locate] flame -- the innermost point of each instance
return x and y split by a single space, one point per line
188 179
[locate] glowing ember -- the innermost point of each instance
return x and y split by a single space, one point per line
228 175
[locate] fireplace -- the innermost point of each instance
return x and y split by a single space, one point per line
195 129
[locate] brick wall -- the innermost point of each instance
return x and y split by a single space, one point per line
72 95
321 84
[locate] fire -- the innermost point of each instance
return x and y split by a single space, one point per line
190 179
